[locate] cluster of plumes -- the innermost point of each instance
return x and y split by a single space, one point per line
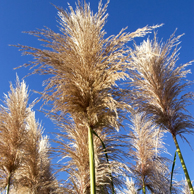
73 149
12 131
149 169
158 84
35 175
24 153
85 67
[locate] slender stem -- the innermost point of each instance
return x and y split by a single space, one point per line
143 189
92 162
8 184
104 147
183 165
173 165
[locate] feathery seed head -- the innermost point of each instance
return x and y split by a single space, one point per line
12 131
158 84
130 187
85 65
149 168
35 174
24 153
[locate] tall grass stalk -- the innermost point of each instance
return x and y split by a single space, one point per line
106 155
8 184
158 85
144 188
92 162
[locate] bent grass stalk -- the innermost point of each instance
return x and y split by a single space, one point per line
173 165
105 152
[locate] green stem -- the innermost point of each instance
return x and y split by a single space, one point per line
92 161
8 184
104 147
183 165
173 165
143 189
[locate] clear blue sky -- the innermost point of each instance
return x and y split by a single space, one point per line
23 15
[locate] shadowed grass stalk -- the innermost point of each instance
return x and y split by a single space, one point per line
158 85
105 152
84 66
173 165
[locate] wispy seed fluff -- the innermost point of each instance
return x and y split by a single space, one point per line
149 169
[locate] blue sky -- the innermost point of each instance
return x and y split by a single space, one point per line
22 15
